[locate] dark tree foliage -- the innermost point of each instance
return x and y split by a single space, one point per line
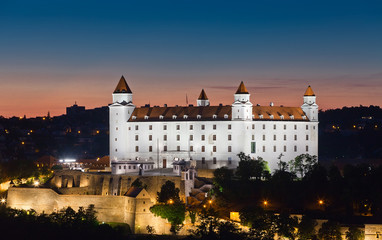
354 233
168 192
330 230
251 168
306 228
174 213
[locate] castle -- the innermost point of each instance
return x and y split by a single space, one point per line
208 136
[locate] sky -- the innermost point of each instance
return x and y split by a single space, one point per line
57 52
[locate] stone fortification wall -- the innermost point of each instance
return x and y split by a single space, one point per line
134 212
79 183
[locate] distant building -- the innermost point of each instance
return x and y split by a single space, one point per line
75 110
210 136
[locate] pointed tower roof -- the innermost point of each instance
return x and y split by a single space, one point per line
203 96
242 89
122 86
309 92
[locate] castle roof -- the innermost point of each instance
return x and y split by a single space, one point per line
309 92
133 191
242 89
122 86
203 96
214 113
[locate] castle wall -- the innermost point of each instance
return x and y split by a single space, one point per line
135 212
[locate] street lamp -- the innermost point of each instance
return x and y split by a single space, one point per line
3 200
36 183
210 201
265 203
321 202
171 201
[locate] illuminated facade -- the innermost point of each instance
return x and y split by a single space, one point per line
209 136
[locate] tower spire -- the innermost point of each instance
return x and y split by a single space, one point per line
203 99
242 89
309 92
122 86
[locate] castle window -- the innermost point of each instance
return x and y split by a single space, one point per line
274 137
120 167
116 150
214 149
136 127
177 127
307 127
136 137
284 148
185 116
191 148
214 160
229 149
164 127
203 137
214 137
295 127
307 137
284 137
271 116
295 137
225 116
150 127
295 148
214 127
263 126
134 167
253 126
136 148
214 116
191 127
117 128
115 139
303 117
177 137
203 148
307 148
150 137
129 167
164 137
229 160
178 148
263 137
124 167
116 114
229 126
203 127
150 148
261 116
274 126
191 137
284 126
160 116
203 160
133 117
146 117
253 137
291 117
173 116
229 137
263 148
282 117
165 148
198 116
274 148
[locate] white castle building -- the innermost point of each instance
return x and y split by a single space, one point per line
209 136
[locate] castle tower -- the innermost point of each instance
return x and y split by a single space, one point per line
203 100
242 107
310 107
120 112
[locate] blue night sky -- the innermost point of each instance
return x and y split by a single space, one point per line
53 53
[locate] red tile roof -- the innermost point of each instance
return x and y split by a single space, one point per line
203 96
309 92
214 113
242 89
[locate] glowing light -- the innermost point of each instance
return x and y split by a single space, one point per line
171 201
43 118
97 132
3 200
204 206
79 132
22 143
265 203
210 201
321 202
67 160
36 183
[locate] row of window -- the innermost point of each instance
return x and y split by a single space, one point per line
135 167
214 149
203 137
214 127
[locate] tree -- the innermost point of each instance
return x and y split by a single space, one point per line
306 228
303 164
262 224
249 168
286 226
354 233
330 230
168 192
174 213
222 178
138 183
